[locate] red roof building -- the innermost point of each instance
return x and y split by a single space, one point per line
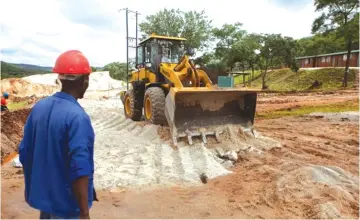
329 60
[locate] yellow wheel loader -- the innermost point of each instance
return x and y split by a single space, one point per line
170 90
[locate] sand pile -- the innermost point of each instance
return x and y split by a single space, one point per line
103 81
337 189
129 154
98 81
18 87
132 154
233 138
44 79
45 84
12 128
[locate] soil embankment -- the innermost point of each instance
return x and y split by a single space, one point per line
12 130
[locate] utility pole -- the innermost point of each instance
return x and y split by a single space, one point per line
127 49
136 36
127 42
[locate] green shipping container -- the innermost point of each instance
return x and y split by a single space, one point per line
225 81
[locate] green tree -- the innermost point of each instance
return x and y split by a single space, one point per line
252 42
321 43
192 25
205 59
93 69
342 14
117 70
275 51
226 37
209 60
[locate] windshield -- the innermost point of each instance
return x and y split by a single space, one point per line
172 51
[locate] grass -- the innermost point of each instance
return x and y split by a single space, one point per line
352 105
238 79
17 105
286 80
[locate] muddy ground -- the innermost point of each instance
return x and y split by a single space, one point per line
313 175
275 101
12 126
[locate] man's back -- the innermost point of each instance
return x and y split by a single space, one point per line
3 101
56 149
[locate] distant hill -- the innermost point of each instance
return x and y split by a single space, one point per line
17 70
9 70
33 67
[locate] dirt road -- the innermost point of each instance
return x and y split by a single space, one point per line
274 101
313 175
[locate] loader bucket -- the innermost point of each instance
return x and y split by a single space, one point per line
206 111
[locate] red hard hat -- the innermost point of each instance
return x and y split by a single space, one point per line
72 62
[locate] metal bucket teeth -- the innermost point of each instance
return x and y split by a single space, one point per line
203 135
190 134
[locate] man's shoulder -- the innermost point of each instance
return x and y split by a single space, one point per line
42 103
63 105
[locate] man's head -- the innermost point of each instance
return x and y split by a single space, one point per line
74 70
6 95
76 87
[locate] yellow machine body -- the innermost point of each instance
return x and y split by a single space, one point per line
183 97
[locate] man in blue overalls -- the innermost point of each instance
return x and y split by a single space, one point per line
58 144
3 102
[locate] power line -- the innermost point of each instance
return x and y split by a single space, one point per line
130 39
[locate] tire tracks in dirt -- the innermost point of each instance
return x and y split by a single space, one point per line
142 158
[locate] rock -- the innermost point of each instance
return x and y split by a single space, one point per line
254 150
228 164
205 214
231 200
231 155
203 178
217 159
220 152
17 163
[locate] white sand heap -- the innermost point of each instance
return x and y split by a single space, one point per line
98 80
103 81
44 79
131 154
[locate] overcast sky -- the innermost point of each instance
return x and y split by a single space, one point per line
37 31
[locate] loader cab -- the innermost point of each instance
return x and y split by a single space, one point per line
159 49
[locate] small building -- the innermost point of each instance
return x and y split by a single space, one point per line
329 60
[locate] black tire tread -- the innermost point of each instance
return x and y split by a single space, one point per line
135 105
157 98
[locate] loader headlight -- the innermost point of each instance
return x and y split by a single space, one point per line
197 66
148 65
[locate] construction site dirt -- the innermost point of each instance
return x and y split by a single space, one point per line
314 174
279 101
12 126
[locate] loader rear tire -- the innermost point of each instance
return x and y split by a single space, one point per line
132 106
154 106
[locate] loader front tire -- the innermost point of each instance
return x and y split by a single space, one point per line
132 106
154 106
